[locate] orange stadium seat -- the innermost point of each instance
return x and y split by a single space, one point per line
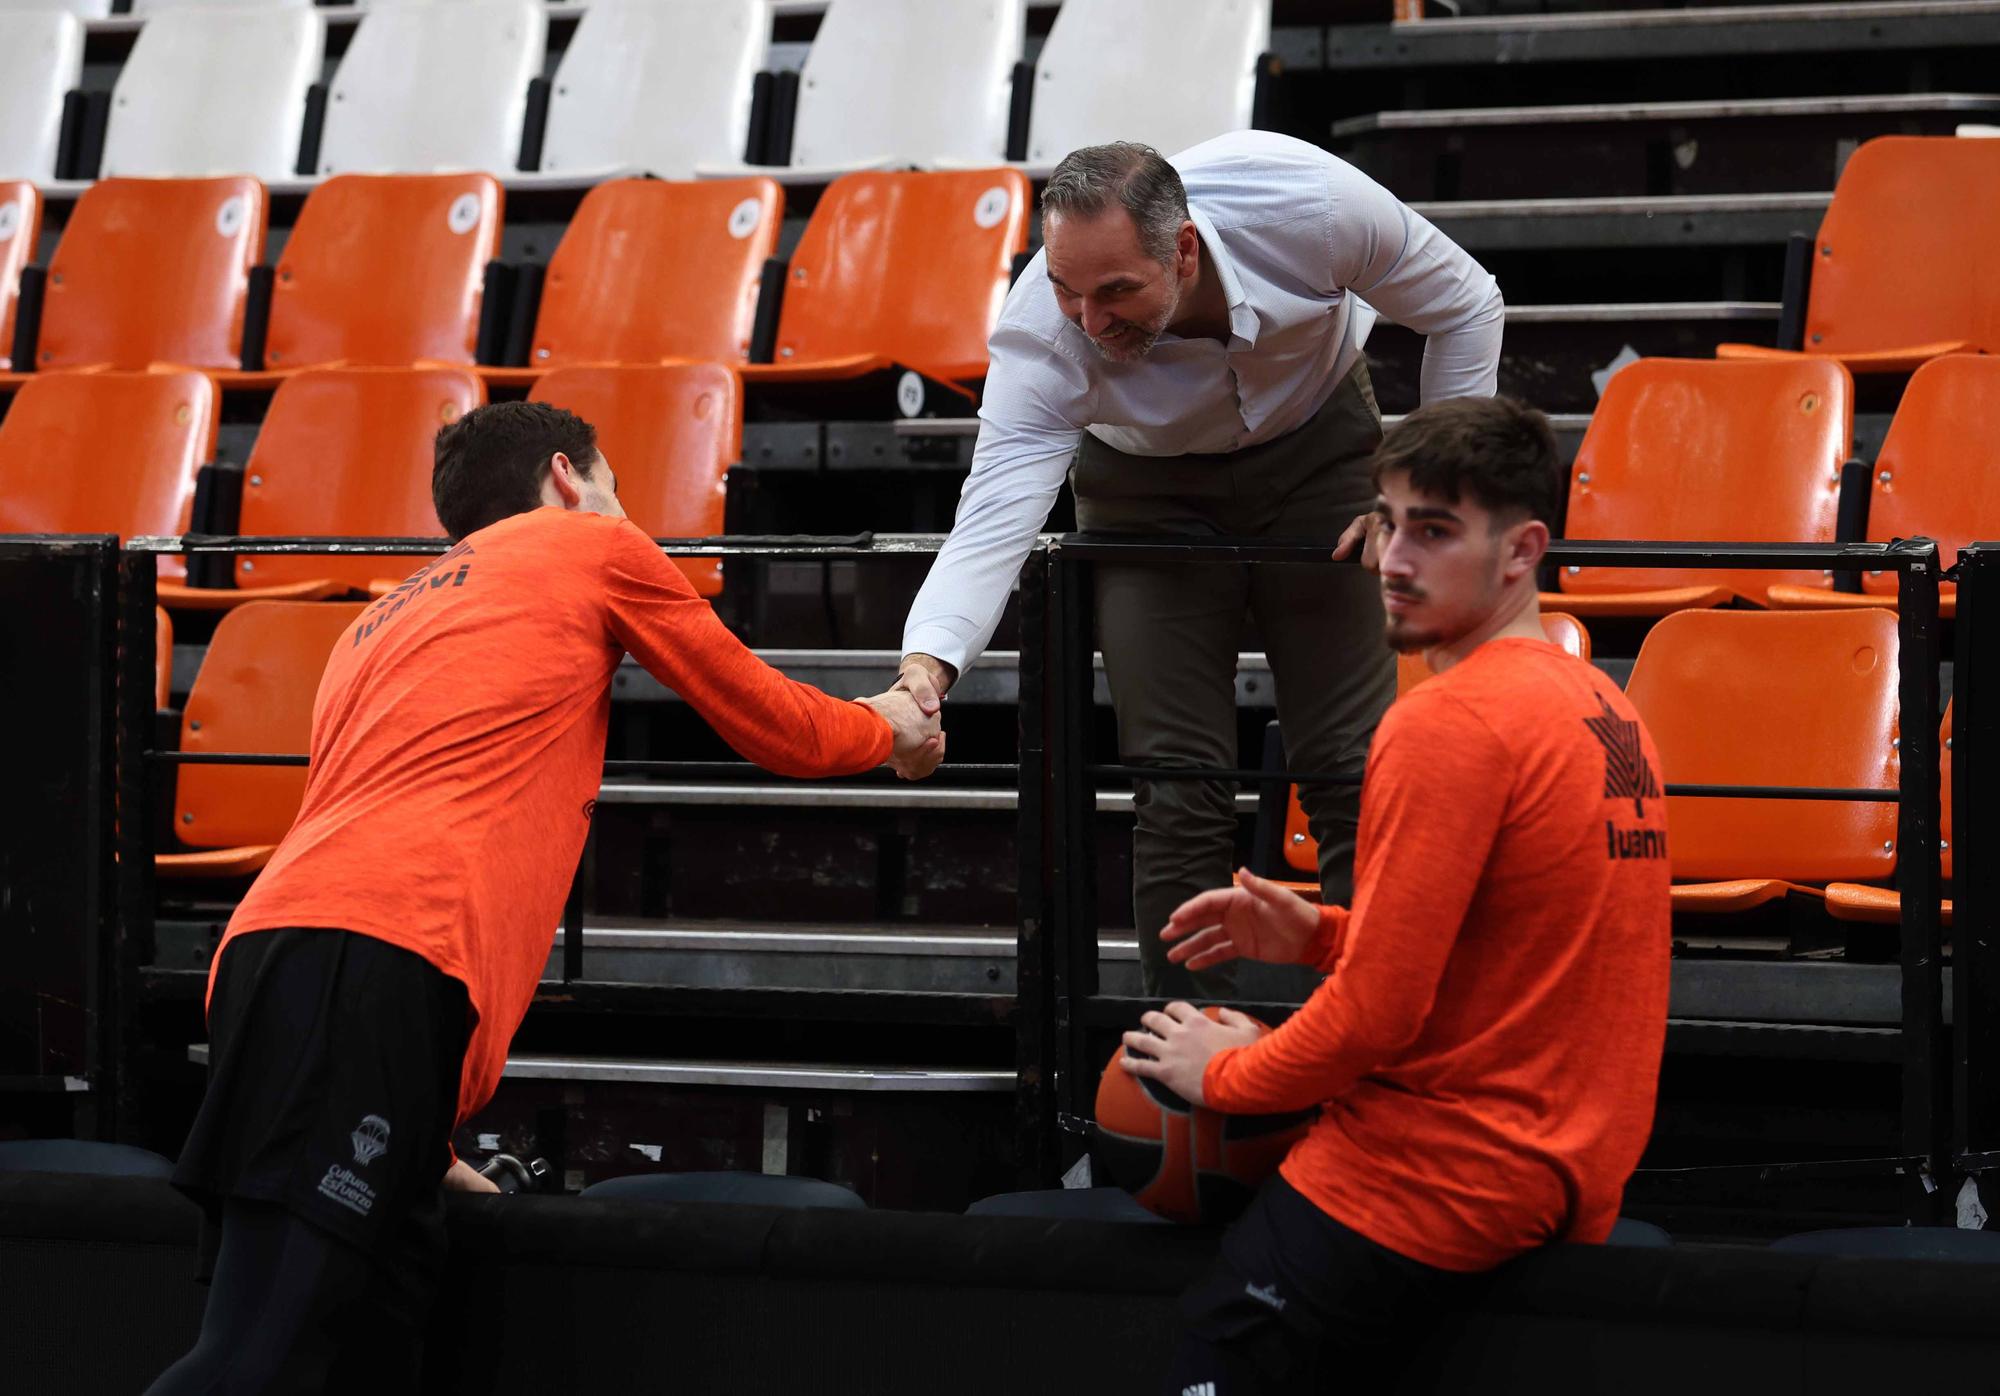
153 271
1853 901
900 268
1744 698
1938 476
670 432
254 693
650 271
106 453
384 270
1692 449
1903 266
1301 849
20 225
343 452
163 657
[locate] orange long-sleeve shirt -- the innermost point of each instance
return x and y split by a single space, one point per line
458 745
1486 1048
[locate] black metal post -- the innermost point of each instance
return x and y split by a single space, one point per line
1034 1001
1975 936
1072 812
130 938
1924 1061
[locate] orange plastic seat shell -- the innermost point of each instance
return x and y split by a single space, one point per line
153 271
651 270
385 270
20 227
163 657
254 693
1692 449
1788 699
1301 849
1903 268
106 453
901 267
343 452
670 433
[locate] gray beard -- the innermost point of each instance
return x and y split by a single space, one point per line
1138 350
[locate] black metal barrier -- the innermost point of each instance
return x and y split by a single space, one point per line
574 1294
1975 775
1077 1007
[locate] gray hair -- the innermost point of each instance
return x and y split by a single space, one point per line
1134 177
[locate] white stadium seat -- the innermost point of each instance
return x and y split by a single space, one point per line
215 91
41 59
656 86
864 103
148 8
82 9
1171 73
428 88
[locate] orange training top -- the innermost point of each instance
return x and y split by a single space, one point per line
1486 1048
458 746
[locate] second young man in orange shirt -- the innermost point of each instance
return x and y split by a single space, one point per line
1485 1048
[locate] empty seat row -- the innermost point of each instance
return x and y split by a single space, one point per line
1753 451
342 452
662 86
1760 699
392 270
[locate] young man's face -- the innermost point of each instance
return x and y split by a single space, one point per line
1445 566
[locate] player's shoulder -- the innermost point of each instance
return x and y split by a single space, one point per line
1247 177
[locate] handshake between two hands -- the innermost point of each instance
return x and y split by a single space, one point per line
912 710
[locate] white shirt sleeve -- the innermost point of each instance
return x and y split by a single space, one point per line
1391 255
1033 413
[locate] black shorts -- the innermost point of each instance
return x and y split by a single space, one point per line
334 1064
1299 1303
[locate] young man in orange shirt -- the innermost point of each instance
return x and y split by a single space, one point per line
362 1000
1485 1047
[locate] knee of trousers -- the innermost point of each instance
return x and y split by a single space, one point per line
1191 809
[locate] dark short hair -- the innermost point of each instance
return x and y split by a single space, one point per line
1497 449
490 463
1136 178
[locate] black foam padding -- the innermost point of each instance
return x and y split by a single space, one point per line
311 131
256 317
535 126
770 300
1020 104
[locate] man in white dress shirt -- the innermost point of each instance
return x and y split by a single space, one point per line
1187 350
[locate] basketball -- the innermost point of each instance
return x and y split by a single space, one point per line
1185 1163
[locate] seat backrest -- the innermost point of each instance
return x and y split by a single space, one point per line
860 101
385 270
1783 698
153 271
147 8
656 85
254 692
82 1156
215 91
1703 449
1301 850
670 432
1171 73
430 87
41 59
1938 473
910 266
20 227
80 9
163 657
1905 252
652 270
347 452
106 453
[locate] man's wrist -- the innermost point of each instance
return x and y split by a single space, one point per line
942 675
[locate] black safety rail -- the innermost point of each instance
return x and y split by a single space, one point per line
1078 1009
140 759
1975 942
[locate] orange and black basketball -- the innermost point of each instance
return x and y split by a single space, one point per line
1186 1163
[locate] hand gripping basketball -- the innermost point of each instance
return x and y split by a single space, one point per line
1254 920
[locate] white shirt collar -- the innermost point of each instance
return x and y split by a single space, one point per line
1242 319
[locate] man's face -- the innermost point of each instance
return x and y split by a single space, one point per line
1444 564
1108 287
599 490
